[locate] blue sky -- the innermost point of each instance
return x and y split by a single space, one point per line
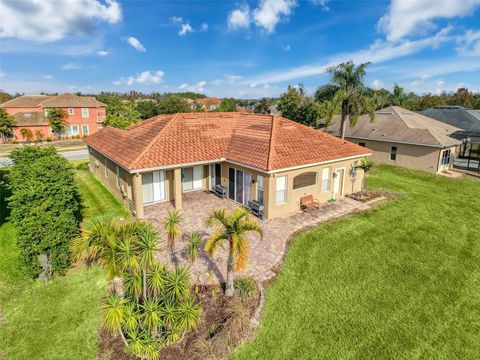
228 48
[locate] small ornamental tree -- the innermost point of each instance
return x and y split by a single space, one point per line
27 134
263 106
156 307
365 165
227 105
44 208
6 124
57 120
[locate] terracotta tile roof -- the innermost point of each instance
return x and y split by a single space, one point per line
62 100
26 101
265 142
396 124
29 118
208 101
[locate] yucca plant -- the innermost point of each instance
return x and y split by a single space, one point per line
177 285
194 240
233 229
188 314
156 279
172 226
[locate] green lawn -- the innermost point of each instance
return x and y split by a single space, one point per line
399 282
59 320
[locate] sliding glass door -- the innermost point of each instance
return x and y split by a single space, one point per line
215 175
239 185
192 178
153 187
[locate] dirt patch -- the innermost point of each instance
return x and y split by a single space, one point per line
224 324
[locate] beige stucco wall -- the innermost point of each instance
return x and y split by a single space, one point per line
125 192
348 185
415 157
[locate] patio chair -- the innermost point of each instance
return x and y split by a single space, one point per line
307 202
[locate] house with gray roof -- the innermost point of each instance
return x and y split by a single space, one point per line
458 116
404 138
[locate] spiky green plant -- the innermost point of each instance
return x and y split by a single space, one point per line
188 314
177 284
156 279
194 241
172 226
233 229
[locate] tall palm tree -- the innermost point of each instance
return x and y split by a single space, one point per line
350 93
233 229
172 226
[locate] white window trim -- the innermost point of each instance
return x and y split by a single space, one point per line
83 113
88 129
284 190
327 179
71 111
118 176
261 189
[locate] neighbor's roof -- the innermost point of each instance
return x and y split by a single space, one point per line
62 100
265 142
29 118
208 101
458 116
397 124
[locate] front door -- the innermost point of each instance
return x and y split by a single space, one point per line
239 185
153 187
215 175
338 183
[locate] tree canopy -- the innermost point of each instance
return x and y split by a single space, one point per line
6 124
296 105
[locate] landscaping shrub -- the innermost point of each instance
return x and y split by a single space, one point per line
83 165
245 287
44 208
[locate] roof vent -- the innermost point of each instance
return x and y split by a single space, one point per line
384 113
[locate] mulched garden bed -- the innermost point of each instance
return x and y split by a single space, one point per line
224 324
365 196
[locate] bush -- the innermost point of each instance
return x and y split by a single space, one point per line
44 207
83 165
245 287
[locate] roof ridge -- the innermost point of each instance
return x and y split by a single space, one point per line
51 98
270 142
154 138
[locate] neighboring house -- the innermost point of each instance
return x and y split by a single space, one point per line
85 114
404 138
458 116
208 104
266 158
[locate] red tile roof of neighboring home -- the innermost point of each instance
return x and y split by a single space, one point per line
207 101
265 142
62 100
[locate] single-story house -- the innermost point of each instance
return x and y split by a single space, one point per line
454 115
266 158
207 104
401 137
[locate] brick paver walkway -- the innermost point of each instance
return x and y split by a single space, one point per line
264 254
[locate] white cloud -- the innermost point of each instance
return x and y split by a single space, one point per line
2 74
48 21
232 79
377 84
198 87
145 78
71 66
102 53
48 77
216 82
239 18
286 48
322 3
408 17
135 43
185 29
270 12
378 52
469 44
176 20
204 27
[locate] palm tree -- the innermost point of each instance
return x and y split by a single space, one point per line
233 229
194 240
172 226
350 93
365 165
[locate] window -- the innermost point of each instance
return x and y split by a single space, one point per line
446 157
85 130
45 112
281 193
118 177
213 107
71 111
325 180
85 112
260 189
304 180
106 168
393 153
362 144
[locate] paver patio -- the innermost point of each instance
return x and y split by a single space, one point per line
264 254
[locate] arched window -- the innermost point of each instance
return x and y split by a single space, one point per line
304 180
